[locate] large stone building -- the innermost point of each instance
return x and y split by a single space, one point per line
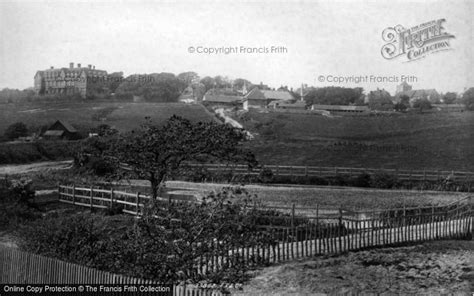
72 80
404 89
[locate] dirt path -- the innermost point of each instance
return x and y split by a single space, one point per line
432 268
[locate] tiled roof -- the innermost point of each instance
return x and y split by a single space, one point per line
221 98
277 95
67 126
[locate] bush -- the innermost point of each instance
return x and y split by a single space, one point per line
383 180
362 180
265 176
16 130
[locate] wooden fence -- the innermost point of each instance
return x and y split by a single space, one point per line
305 232
18 267
320 171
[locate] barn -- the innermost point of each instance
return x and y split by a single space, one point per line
61 130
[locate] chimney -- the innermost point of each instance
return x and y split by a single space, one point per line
94 67
78 65
71 65
90 66
51 67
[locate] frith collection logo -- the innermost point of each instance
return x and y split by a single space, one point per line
416 42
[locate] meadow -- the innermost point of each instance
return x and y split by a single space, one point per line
84 115
406 141
332 197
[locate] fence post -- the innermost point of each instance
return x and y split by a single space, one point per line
111 197
339 233
293 216
138 203
277 170
424 174
92 198
73 194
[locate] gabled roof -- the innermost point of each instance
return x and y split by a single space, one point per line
277 95
255 94
221 98
66 125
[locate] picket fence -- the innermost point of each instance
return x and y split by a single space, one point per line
18 267
305 232
322 172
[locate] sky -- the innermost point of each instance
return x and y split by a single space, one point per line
312 39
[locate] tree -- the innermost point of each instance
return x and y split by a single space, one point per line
162 87
208 83
422 104
333 95
155 153
400 107
468 98
449 97
405 100
16 130
380 100
188 78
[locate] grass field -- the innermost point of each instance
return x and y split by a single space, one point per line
84 115
332 198
410 141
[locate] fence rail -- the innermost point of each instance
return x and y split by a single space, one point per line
321 171
18 267
306 232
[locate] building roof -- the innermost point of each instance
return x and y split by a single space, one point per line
418 93
66 125
257 94
340 107
221 98
277 95
54 133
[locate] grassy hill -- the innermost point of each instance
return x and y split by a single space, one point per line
411 141
123 116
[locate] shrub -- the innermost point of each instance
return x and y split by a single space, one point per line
383 180
362 180
265 175
16 130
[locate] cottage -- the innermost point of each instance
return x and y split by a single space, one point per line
61 130
222 98
257 98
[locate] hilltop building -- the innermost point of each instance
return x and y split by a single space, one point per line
72 80
416 94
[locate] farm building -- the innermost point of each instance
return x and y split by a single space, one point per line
449 107
222 98
299 105
339 109
61 130
257 98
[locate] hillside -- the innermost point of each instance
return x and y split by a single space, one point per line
123 116
411 141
